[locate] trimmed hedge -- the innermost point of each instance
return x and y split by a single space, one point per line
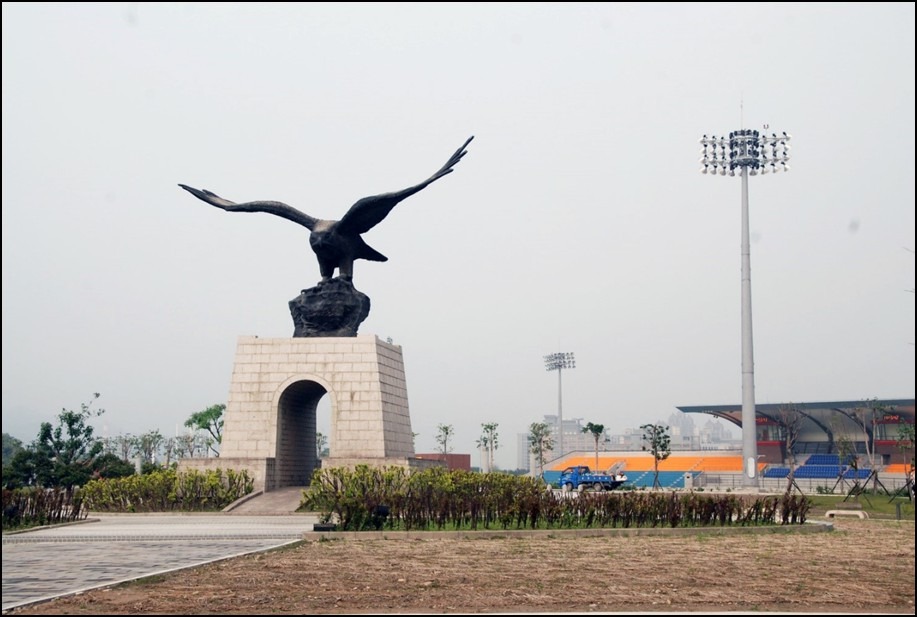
168 491
371 498
34 507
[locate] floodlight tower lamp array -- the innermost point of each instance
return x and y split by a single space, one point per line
758 152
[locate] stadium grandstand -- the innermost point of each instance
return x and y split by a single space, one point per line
829 445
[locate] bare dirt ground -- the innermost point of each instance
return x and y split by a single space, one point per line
863 566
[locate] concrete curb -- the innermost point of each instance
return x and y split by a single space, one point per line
808 527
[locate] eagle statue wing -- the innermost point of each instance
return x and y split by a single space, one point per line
271 207
369 211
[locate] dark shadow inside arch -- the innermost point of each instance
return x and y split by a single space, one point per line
297 456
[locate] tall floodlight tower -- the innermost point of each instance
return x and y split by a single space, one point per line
749 152
558 362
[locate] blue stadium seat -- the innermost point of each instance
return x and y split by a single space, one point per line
823 459
819 471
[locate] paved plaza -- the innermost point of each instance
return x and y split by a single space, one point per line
107 549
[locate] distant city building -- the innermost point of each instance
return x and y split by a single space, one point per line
523 456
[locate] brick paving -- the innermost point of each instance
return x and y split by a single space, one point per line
107 549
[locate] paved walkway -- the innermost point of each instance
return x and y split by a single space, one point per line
107 549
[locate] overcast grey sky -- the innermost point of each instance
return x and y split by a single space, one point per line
578 221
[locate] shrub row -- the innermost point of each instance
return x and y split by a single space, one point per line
168 490
365 498
34 507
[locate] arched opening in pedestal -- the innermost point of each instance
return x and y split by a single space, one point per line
297 431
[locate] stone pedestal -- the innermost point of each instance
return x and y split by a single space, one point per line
269 426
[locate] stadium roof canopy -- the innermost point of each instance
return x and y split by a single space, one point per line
903 408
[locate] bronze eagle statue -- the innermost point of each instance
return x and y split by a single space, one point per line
337 244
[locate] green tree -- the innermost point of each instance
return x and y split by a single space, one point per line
187 446
905 443
597 431
146 446
210 420
790 419
321 445
868 416
14 450
488 442
847 453
65 454
11 446
169 448
444 433
23 469
657 442
110 465
540 443
122 445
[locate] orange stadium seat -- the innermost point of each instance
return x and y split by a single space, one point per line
644 462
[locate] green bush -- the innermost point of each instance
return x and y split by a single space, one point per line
368 498
33 507
167 490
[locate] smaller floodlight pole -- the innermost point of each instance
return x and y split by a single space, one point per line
749 152
558 362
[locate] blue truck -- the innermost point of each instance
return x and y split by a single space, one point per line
580 477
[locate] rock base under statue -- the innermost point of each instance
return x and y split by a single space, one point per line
330 309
